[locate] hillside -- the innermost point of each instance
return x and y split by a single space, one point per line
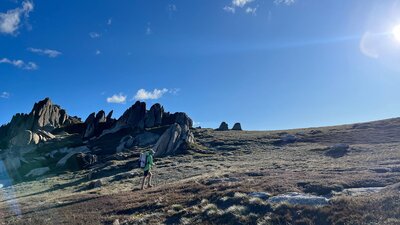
346 174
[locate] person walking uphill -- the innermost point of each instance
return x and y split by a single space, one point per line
147 169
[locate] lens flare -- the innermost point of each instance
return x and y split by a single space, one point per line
396 33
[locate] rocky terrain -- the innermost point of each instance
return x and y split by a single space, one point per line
58 169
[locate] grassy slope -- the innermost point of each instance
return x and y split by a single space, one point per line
184 195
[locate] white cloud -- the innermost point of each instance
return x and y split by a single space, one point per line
109 21
240 3
98 52
10 21
284 2
5 94
117 98
48 52
174 91
94 35
250 10
229 9
142 94
172 8
20 64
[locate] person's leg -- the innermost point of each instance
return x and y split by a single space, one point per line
143 181
146 173
150 176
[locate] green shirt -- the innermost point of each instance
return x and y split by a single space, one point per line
149 162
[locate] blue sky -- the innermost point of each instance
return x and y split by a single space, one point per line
269 64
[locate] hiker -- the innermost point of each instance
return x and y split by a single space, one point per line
147 168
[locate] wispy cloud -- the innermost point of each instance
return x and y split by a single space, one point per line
98 52
149 31
20 64
94 35
239 4
230 9
250 10
284 2
117 98
109 21
142 94
48 52
5 94
10 20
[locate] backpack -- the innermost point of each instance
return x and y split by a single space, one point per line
143 160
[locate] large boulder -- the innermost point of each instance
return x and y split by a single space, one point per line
154 116
237 126
178 117
96 123
38 172
174 140
22 139
71 152
133 117
85 160
146 138
223 127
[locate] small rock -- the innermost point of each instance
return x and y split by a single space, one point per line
116 222
381 170
295 198
359 191
260 195
96 184
289 138
338 150
254 174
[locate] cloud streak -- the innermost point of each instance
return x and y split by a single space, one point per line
5 95
94 35
10 20
142 94
239 4
284 2
20 64
47 52
117 99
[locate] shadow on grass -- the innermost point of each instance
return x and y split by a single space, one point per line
55 188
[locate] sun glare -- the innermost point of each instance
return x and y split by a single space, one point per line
396 32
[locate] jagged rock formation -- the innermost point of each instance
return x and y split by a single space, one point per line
133 117
223 127
154 116
174 140
237 126
44 117
48 137
96 123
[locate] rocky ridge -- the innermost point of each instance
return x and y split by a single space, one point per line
49 137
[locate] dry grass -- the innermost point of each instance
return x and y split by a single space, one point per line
209 185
